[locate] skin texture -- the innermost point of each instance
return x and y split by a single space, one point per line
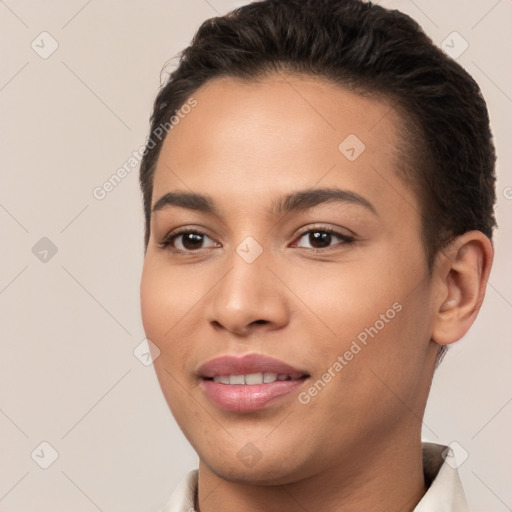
356 444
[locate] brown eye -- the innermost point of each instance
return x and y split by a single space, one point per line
188 241
319 239
191 241
322 239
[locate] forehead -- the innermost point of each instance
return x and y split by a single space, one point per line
281 132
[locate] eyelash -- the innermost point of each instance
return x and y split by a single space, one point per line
169 240
346 239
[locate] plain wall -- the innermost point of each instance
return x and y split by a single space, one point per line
69 325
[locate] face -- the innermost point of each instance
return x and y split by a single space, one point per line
285 282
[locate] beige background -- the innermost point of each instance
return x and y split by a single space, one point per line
68 375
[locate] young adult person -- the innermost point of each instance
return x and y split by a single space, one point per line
318 189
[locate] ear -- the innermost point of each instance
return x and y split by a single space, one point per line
461 273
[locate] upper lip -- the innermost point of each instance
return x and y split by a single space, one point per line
246 364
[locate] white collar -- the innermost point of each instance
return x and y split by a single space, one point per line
445 493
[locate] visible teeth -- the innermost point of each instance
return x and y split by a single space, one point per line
237 379
269 377
254 378
250 379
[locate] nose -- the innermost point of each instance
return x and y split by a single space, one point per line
248 298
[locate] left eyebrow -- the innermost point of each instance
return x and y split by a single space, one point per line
304 199
295 201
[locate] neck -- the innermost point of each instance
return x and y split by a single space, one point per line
383 478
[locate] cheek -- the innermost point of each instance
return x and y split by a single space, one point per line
162 306
150 305
172 302
344 300
371 367
167 296
373 317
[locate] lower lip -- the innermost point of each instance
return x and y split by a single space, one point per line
245 398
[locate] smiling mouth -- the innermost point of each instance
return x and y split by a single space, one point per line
249 392
249 382
253 379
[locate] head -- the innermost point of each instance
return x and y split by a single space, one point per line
286 117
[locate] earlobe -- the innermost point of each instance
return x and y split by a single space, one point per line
462 270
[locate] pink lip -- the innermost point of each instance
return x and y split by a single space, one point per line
245 398
250 363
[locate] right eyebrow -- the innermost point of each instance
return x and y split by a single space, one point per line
189 200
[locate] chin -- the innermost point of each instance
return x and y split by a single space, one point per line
248 465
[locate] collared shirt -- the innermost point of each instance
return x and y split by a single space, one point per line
444 494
